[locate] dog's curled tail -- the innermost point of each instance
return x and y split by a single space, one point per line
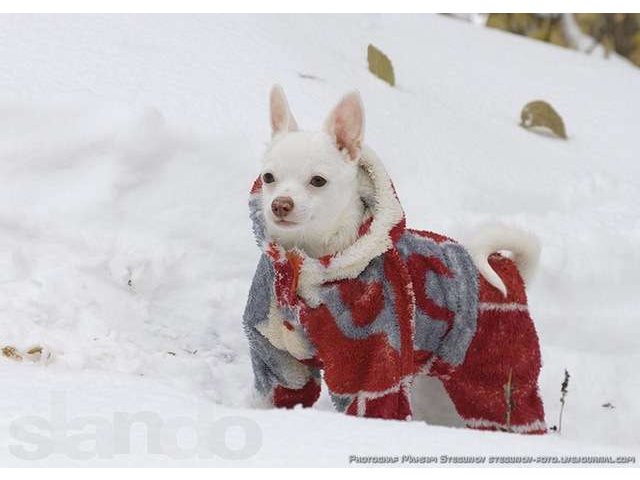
491 238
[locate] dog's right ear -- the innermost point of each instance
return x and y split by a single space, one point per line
281 117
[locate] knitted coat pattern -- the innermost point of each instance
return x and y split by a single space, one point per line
395 304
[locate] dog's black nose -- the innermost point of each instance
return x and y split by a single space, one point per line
281 206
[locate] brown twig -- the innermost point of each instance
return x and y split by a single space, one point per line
508 398
564 389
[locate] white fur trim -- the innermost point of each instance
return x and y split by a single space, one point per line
361 405
503 307
350 263
529 427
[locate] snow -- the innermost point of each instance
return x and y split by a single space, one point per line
127 148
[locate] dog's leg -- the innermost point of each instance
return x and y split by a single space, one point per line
496 387
283 397
280 379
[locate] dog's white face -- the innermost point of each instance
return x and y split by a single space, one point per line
311 181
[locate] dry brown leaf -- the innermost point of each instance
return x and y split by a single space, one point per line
540 114
380 65
12 353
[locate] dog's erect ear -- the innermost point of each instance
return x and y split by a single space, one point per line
281 118
346 124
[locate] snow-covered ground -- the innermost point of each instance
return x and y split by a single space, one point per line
127 148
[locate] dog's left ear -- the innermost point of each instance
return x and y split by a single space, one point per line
346 124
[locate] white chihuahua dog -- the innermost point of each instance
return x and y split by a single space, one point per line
344 288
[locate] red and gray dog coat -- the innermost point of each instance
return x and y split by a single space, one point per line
395 304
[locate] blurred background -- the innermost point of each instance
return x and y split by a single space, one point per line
600 34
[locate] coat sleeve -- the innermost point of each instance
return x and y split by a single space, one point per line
279 377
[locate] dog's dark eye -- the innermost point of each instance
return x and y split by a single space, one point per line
268 178
318 181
